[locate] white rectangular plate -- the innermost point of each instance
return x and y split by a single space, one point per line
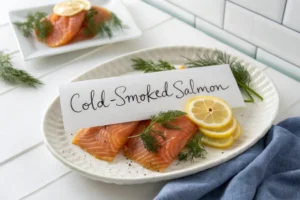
31 48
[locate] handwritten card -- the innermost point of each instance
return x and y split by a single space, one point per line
136 97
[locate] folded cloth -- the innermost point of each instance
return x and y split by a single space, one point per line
268 170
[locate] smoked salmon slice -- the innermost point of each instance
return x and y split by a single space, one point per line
173 142
104 142
64 28
100 17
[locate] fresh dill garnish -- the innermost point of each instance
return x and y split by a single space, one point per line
240 73
35 21
193 149
164 118
104 28
91 27
14 76
170 126
149 66
43 28
116 21
148 134
150 142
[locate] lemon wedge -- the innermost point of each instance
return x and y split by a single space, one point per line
87 5
68 8
209 112
217 142
237 133
223 132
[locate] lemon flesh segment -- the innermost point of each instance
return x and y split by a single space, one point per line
86 4
223 132
217 142
68 8
209 112
237 133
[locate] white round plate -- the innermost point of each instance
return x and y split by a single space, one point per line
255 119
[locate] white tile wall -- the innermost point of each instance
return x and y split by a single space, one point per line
272 9
242 26
278 64
247 25
225 37
209 10
263 32
292 15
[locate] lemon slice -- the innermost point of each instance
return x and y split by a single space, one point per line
223 132
217 142
87 5
237 133
209 112
68 8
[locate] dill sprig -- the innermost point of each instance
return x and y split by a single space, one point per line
116 21
165 118
240 73
193 149
91 26
104 28
35 21
14 76
149 66
148 134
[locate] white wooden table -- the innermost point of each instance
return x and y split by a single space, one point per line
27 170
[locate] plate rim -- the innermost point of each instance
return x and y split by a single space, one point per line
137 33
170 175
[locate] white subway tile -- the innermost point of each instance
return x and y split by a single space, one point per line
292 15
238 21
272 9
284 67
173 10
211 11
263 32
226 37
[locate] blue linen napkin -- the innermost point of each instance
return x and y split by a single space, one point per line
268 170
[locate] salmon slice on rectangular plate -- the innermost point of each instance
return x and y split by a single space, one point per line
171 144
104 142
64 28
84 32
